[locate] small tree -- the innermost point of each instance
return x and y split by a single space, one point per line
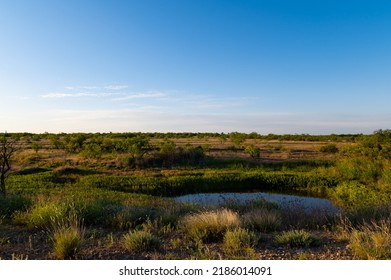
253 151
238 138
7 148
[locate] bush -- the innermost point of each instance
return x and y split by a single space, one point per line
372 241
297 239
329 148
354 195
253 151
210 225
239 243
92 150
140 241
365 170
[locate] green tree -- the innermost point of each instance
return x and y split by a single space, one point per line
253 151
137 147
92 150
238 138
36 147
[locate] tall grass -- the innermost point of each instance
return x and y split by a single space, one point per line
46 213
372 241
263 220
68 236
209 225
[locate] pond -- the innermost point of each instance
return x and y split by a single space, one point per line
283 200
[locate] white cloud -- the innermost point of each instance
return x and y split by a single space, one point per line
64 94
97 88
151 94
116 87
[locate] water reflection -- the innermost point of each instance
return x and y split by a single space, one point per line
283 200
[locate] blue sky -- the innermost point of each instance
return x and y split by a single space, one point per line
314 67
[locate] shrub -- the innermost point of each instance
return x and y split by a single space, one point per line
263 220
372 241
354 195
92 150
140 241
362 169
253 151
329 148
210 225
297 239
239 243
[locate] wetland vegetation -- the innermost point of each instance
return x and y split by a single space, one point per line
111 196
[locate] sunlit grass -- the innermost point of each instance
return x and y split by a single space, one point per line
372 241
209 225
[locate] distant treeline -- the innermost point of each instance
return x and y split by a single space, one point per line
224 136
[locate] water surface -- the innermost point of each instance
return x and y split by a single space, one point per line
283 200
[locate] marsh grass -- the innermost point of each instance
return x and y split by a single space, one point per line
209 225
242 207
372 241
297 239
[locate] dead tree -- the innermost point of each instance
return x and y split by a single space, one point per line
7 148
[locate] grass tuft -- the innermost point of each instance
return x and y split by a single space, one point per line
139 241
239 243
263 220
209 225
297 239
372 241
68 237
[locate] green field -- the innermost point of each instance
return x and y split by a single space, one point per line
110 196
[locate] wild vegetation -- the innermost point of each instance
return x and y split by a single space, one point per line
111 196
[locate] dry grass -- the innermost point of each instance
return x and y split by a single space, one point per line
372 241
209 225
